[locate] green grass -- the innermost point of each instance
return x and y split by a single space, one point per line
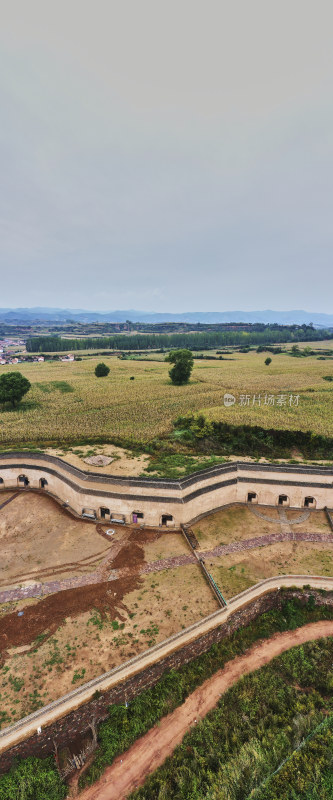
250 746
125 725
176 465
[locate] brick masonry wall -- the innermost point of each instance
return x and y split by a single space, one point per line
66 729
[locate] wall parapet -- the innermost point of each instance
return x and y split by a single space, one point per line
180 500
61 719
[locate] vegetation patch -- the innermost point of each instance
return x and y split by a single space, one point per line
35 779
204 434
138 414
126 724
177 465
258 725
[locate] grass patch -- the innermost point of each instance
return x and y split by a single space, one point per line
177 465
259 723
125 725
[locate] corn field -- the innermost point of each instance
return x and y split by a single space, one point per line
68 403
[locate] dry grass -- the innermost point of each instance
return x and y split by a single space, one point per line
165 603
238 571
232 525
239 522
118 408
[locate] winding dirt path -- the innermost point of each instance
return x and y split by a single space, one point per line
130 770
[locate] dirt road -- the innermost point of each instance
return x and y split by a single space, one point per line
132 768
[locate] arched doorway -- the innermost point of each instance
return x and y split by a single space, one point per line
23 481
252 497
310 502
166 520
104 512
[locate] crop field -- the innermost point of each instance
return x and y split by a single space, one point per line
68 404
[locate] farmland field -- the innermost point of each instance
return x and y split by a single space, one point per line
67 403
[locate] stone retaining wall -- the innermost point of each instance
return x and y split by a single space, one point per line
183 499
66 729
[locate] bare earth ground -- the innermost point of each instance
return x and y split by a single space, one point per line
235 572
4 496
72 636
61 541
240 522
132 600
36 534
131 769
125 463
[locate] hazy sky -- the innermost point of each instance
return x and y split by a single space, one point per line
173 155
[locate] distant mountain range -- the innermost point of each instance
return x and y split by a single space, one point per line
59 315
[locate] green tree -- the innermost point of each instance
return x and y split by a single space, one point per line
101 370
183 365
268 361
33 779
13 386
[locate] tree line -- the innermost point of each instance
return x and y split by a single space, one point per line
196 341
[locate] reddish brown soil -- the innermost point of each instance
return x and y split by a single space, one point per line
46 615
131 769
131 556
144 535
136 534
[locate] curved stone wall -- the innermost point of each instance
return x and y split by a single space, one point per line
170 502
60 721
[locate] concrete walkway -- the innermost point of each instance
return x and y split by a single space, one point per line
58 708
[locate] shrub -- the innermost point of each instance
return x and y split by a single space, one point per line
101 370
33 779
